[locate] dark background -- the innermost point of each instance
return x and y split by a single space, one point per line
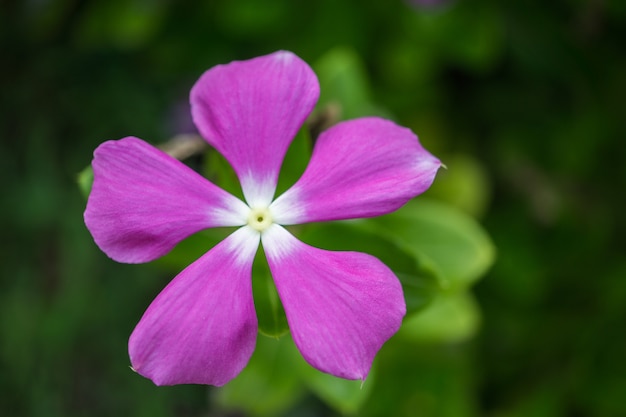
532 91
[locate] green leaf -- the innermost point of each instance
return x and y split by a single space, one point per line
441 236
424 380
419 282
85 181
217 169
451 317
344 82
269 309
465 185
419 289
193 247
276 377
345 396
296 160
268 385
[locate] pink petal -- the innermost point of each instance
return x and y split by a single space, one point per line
250 111
341 306
359 168
143 202
201 329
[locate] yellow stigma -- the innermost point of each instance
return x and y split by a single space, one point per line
260 218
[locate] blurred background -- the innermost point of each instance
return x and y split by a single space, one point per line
524 101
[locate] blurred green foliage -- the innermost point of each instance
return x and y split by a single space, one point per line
522 100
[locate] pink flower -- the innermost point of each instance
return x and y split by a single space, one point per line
340 306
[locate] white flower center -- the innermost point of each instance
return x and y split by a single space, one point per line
260 218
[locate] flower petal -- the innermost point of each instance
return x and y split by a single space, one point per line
341 306
201 329
359 168
143 202
250 111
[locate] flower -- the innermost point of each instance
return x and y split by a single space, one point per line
341 307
